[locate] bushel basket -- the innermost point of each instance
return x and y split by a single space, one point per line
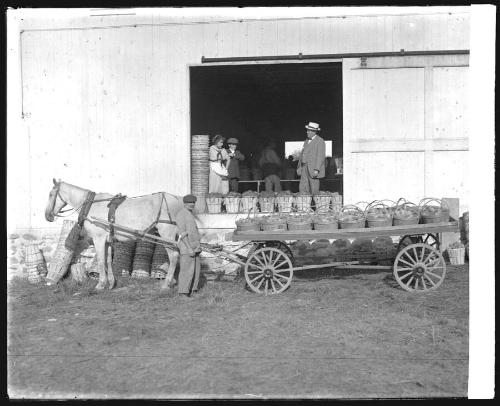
378 214
351 217
248 223
433 213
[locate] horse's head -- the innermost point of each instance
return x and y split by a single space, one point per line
55 203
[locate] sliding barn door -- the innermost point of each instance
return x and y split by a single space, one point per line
405 128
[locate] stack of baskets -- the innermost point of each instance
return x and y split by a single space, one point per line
35 264
299 221
141 267
273 222
248 201
232 202
351 216
200 168
322 201
405 213
123 257
326 221
214 202
433 210
378 214
302 201
160 257
266 202
284 200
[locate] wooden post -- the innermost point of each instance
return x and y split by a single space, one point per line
449 237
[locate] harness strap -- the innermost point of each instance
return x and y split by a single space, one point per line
115 201
86 208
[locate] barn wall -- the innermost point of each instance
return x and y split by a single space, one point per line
108 108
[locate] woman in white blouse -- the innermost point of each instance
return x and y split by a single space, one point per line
218 181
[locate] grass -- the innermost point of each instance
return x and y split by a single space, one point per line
342 335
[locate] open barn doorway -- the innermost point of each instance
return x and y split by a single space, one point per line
257 102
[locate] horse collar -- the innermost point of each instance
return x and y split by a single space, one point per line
82 216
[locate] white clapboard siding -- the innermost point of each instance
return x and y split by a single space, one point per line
108 108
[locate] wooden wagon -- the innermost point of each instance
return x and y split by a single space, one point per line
417 263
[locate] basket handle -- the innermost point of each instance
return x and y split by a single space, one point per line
425 202
376 204
352 207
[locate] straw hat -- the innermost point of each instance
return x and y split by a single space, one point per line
313 126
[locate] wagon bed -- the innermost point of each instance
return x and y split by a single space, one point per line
415 229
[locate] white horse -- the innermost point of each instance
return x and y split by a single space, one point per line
138 213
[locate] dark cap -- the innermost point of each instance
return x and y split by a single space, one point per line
189 199
233 141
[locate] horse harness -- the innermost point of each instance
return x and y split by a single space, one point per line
113 204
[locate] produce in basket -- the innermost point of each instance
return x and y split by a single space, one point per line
212 196
273 222
433 213
266 201
249 201
284 199
233 194
232 202
406 213
456 244
378 214
250 193
351 217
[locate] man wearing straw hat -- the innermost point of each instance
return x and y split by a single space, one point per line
311 165
233 167
189 247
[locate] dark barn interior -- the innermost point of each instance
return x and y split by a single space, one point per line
261 101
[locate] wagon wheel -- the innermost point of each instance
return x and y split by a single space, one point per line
419 268
268 270
429 239
274 244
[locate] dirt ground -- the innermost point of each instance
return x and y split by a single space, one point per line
350 334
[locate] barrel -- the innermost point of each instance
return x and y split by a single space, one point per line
62 256
35 264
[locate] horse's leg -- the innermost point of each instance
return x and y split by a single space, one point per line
100 252
173 257
111 276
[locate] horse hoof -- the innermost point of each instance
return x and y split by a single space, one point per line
99 287
112 286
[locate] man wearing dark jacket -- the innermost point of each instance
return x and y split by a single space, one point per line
311 166
189 248
233 167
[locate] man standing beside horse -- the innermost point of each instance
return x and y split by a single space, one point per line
189 248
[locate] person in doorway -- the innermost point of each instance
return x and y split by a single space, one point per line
270 164
289 171
189 248
233 168
311 165
218 176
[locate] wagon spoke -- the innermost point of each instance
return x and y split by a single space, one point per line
409 282
416 254
265 286
412 260
257 277
404 269
405 275
433 274
259 261
278 271
278 282
281 264
429 279
277 275
272 285
260 283
406 262
416 283
265 258
423 283
423 255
